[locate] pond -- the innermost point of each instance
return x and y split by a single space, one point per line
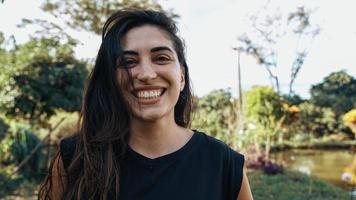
327 165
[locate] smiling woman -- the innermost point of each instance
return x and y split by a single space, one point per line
134 140
157 75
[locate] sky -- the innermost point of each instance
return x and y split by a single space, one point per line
210 29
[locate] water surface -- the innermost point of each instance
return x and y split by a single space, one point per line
327 165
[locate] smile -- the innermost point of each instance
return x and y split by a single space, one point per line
149 94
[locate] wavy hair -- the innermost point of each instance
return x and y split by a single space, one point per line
105 118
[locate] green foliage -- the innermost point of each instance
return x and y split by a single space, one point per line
316 120
293 99
215 114
45 76
263 106
6 59
11 184
17 145
292 186
90 15
264 110
20 140
337 91
3 128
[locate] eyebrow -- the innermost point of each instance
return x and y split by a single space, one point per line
162 48
155 49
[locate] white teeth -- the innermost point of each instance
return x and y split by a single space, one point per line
149 94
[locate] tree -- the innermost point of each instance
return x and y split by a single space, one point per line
316 120
90 15
44 76
264 110
268 32
337 91
293 99
215 114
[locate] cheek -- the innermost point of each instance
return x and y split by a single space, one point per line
176 75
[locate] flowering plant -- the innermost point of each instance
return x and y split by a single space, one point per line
349 175
260 161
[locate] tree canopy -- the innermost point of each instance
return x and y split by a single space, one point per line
90 15
337 91
42 75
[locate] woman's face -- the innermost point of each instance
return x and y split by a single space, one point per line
156 73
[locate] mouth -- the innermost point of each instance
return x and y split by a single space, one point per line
148 93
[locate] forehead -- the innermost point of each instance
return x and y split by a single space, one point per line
145 37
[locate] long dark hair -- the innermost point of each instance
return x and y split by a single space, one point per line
105 118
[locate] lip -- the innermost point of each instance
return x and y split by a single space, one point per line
140 88
147 101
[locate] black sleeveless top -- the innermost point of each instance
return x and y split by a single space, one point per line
203 169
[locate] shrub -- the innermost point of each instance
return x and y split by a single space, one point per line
259 161
315 120
16 146
3 128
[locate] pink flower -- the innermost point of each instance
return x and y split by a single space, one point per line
346 176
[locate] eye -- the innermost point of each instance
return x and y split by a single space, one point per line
129 62
162 59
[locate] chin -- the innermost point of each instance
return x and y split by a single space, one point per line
149 117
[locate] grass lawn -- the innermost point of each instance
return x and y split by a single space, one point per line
293 186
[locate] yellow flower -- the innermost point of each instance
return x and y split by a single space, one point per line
294 109
350 117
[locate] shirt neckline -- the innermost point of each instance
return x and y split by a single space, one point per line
132 154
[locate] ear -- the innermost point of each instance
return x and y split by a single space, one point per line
182 79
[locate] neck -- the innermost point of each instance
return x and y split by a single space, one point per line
158 138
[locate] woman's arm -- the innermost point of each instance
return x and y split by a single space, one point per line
245 191
54 184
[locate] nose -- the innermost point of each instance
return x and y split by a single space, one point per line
146 71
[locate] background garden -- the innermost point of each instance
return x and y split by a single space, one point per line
295 147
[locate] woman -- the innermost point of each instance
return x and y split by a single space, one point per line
133 141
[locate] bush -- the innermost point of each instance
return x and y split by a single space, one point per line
315 120
258 161
24 141
3 128
265 112
14 148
